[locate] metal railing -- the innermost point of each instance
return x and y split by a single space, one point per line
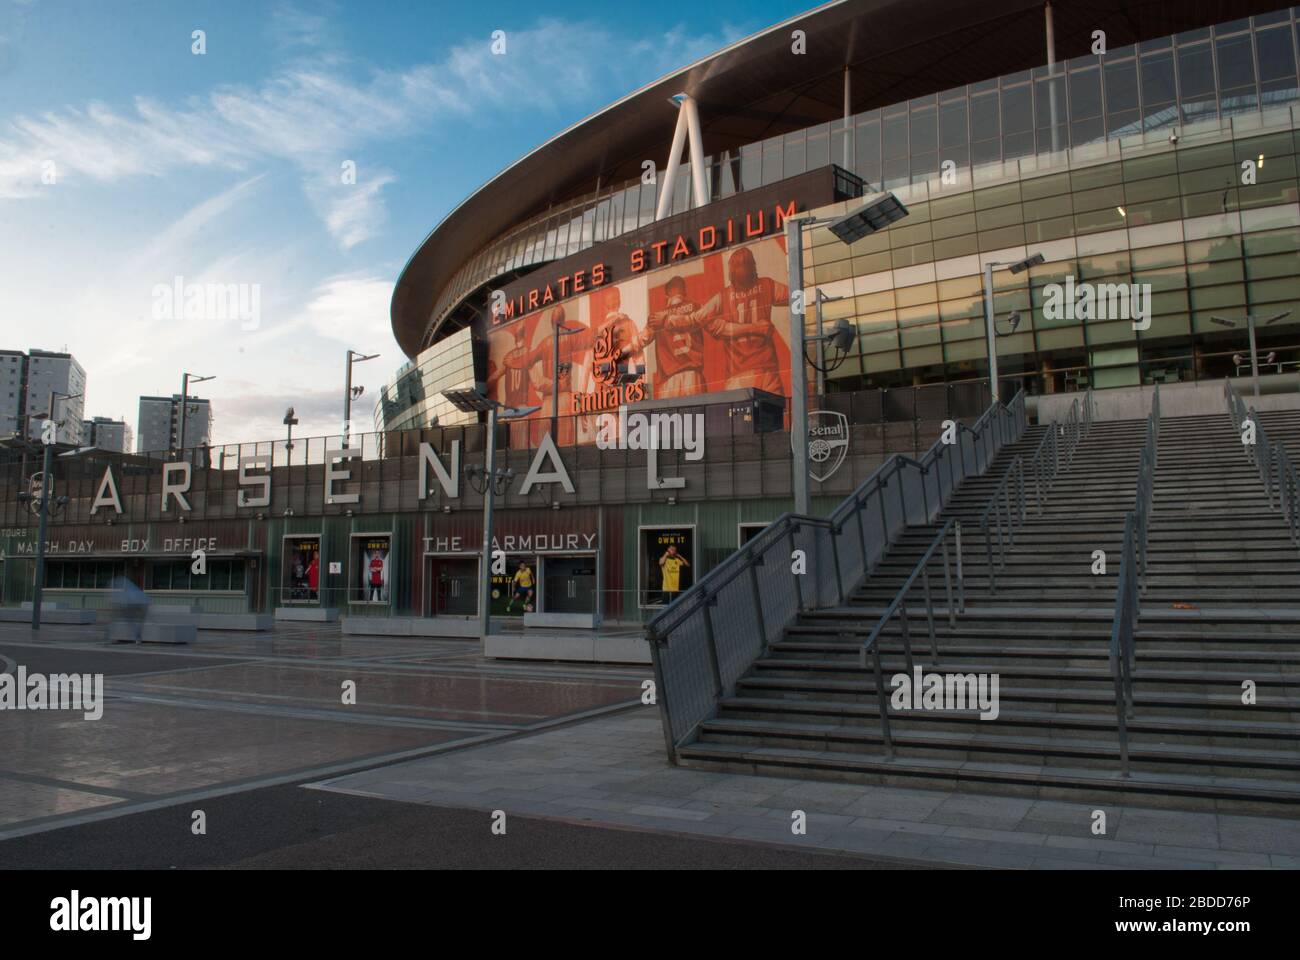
1008 506
1002 518
1132 582
1271 460
955 595
698 656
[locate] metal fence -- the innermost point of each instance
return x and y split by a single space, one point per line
710 635
1132 581
747 455
1271 459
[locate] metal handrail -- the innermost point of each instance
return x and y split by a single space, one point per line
715 653
1007 515
1123 626
1271 460
1044 465
956 603
1134 560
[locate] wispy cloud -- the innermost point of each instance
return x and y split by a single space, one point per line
317 114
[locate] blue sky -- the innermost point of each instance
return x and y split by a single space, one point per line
126 161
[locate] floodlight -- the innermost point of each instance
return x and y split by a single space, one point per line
876 214
1028 262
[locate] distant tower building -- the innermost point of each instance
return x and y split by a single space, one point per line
159 423
26 381
13 391
106 434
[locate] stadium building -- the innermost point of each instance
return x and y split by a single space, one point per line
1139 156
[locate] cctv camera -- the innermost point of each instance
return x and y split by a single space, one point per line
1173 137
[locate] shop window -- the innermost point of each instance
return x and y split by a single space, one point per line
371 574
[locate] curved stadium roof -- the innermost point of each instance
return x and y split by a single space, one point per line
756 88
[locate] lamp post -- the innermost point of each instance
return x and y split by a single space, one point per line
348 395
1251 320
471 401
990 322
878 212
290 421
186 380
560 330
48 439
822 297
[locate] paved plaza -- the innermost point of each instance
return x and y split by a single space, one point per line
436 727
237 711
612 770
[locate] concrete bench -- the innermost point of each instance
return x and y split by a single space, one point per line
168 633
571 621
121 631
235 621
309 614
45 605
173 609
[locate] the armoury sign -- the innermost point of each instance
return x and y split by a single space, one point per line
828 443
547 467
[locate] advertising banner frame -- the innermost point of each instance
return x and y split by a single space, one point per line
641 572
353 572
285 587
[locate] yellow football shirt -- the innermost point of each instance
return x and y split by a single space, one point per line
672 568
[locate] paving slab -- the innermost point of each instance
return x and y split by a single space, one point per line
946 827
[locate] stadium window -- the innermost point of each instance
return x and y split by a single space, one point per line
1196 83
1236 62
1277 67
1121 98
1085 106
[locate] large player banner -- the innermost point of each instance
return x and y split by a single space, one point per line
716 322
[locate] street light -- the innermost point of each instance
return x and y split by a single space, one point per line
290 421
878 212
1252 320
471 401
45 510
186 380
348 394
558 330
990 321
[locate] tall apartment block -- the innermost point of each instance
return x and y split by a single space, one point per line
105 433
159 423
26 382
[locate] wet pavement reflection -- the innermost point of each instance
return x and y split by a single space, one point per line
247 708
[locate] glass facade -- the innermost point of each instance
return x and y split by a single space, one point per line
413 397
1231 70
222 574
1177 221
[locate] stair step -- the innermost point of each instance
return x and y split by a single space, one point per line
1032 780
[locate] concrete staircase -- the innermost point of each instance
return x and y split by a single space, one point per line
1283 426
1222 607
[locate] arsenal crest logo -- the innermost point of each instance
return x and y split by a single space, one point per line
828 443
